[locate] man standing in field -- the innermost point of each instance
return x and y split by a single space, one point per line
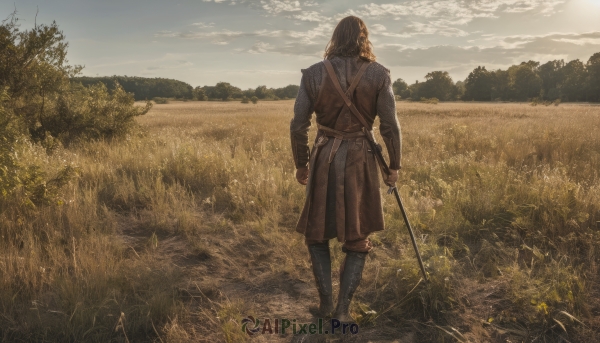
346 91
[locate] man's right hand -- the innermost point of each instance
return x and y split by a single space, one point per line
392 178
302 175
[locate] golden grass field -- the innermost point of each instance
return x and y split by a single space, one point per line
176 233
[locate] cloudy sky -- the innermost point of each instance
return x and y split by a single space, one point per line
256 42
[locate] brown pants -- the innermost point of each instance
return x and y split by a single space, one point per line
361 245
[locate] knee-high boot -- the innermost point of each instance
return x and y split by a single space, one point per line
349 281
321 265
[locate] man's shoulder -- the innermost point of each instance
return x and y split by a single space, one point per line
313 68
378 68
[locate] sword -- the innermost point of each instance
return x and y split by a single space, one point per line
393 189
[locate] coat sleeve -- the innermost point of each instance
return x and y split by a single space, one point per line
389 126
303 110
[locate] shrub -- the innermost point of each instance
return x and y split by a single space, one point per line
245 100
537 101
44 102
93 113
8 133
433 101
161 101
254 99
23 183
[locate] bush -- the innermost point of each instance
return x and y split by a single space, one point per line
8 133
45 104
93 113
161 101
538 101
254 100
245 100
23 183
433 101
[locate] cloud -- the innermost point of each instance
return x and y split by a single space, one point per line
445 18
439 27
278 6
286 40
509 50
427 17
222 37
203 25
310 16
260 47
465 10
378 28
289 49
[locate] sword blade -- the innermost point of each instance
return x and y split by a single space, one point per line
410 231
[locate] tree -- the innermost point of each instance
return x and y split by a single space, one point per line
200 94
142 87
459 90
439 85
501 89
289 91
248 93
401 88
236 92
525 82
262 92
35 71
551 74
415 90
479 84
593 84
572 87
223 90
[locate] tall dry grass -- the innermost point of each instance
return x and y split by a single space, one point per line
504 198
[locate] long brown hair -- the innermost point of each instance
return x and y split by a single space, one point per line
350 38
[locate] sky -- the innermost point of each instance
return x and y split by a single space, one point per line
266 42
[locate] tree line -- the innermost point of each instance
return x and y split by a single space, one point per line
551 81
224 91
150 88
143 88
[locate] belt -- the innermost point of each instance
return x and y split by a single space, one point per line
338 136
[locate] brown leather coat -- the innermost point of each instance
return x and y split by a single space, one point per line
343 198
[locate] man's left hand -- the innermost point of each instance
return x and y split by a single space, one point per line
302 175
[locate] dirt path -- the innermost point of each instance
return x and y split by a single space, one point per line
239 273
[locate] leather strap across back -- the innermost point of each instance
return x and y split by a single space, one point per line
346 95
347 100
